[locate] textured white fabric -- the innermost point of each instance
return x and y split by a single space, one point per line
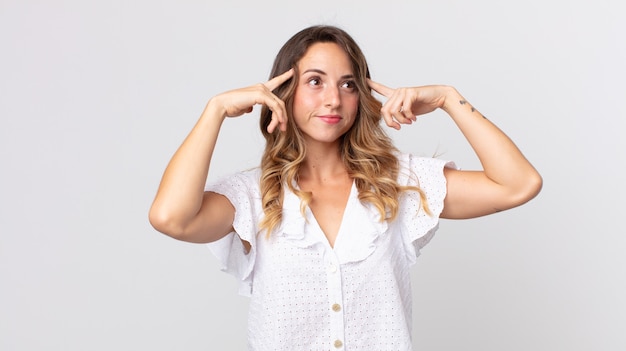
307 295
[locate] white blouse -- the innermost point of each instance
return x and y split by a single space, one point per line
307 295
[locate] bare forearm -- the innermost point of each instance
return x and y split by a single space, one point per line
181 208
507 178
181 190
501 159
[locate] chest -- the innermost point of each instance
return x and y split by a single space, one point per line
328 206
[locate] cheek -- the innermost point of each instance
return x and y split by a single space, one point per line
352 104
296 104
351 109
300 109
301 102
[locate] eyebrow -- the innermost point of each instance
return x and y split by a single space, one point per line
319 71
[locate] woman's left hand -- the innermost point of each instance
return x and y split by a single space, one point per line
405 104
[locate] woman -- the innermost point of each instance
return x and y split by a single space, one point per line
322 235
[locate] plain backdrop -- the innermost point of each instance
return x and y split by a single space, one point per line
95 96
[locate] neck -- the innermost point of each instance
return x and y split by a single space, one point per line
323 162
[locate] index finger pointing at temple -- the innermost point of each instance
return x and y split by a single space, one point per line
279 80
379 88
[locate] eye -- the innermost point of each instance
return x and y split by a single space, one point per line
314 81
349 85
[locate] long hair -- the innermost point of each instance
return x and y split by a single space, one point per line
367 151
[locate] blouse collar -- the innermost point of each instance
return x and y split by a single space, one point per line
358 233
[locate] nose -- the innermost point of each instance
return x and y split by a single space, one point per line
332 97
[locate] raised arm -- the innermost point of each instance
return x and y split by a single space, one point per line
181 208
507 179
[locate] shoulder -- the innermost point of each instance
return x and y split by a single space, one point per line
246 181
416 170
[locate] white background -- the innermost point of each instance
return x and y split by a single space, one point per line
95 96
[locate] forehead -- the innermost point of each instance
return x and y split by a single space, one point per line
325 55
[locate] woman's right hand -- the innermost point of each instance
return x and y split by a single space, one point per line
235 103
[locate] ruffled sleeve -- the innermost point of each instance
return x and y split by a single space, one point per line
242 191
417 226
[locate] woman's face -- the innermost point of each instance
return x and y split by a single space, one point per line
326 99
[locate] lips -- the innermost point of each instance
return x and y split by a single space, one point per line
330 119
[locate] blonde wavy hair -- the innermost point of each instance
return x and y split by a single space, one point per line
367 151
